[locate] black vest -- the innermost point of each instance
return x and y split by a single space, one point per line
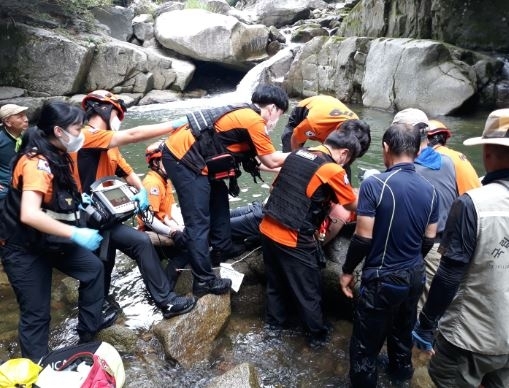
288 202
63 206
209 143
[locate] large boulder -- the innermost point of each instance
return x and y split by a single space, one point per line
474 26
282 12
188 338
211 37
393 74
126 68
331 66
41 61
403 73
118 21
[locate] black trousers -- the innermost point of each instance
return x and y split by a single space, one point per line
137 245
30 275
206 213
386 309
293 276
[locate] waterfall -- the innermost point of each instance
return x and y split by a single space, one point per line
271 70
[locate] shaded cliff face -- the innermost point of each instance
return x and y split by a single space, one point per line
473 24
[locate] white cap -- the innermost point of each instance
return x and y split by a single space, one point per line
10 110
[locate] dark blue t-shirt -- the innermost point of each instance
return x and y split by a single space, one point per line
403 203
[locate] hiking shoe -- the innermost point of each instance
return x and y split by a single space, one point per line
215 286
178 305
110 312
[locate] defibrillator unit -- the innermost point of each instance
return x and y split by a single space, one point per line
112 203
114 194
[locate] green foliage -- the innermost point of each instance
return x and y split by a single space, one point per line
196 4
81 7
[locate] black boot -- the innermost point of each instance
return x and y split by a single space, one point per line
215 286
110 312
178 305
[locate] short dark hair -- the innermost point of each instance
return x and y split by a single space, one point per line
347 139
437 138
266 94
402 139
361 130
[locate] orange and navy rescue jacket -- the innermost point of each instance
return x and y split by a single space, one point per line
311 179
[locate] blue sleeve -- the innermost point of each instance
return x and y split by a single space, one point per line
367 201
435 210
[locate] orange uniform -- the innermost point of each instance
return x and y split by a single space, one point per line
323 114
466 177
160 196
94 160
330 174
36 175
236 130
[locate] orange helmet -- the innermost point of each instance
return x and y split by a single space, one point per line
436 126
105 97
154 151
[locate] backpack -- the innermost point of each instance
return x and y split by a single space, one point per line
97 371
90 365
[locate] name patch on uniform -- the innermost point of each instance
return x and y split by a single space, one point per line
310 133
305 154
154 190
43 166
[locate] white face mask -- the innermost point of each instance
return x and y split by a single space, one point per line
114 124
270 126
74 143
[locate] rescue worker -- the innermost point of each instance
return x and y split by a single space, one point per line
466 177
197 156
40 218
100 157
299 202
439 170
397 216
314 118
159 218
470 292
15 122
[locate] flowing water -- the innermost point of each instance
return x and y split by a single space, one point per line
282 360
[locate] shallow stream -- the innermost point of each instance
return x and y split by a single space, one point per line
282 360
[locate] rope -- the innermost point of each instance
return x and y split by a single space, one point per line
232 264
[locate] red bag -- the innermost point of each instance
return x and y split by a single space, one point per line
100 374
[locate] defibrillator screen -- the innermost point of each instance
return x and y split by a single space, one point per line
116 197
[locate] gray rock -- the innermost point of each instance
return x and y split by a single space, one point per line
241 376
188 338
42 61
207 36
11 92
159 97
403 73
117 19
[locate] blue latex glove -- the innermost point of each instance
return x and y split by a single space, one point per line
85 201
179 122
142 199
87 238
423 338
